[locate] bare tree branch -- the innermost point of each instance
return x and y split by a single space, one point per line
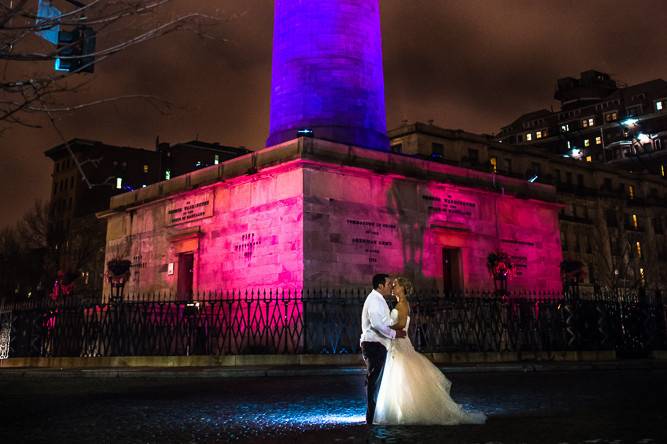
160 30
43 92
153 100
10 13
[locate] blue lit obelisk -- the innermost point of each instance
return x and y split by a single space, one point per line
327 72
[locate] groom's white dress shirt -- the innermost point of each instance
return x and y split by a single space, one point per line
375 320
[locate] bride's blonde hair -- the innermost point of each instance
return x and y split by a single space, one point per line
407 285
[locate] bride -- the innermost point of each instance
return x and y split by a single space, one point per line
413 390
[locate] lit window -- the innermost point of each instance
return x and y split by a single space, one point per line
167 174
635 222
589 158
611 117
569 145
216 159
642 276
494 164
631 191
588 122
529 137
538 134
658 106
598 140
145 168
587 142
638 248
662 170
119 183
565 128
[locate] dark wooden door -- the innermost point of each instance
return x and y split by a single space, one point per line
186 263
451 270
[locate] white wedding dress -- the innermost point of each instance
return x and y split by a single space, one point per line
414 391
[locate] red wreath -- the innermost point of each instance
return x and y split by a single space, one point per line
500 265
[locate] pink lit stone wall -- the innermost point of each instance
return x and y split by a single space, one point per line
357 223
305 221
253 237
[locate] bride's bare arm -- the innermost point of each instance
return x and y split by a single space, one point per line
403 311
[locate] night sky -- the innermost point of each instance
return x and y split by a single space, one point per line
469 64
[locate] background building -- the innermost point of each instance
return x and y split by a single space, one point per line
86 174
600 121
612 221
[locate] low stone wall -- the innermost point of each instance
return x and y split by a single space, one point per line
301 360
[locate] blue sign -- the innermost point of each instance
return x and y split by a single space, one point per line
46 12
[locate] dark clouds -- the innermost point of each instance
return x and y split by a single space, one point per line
471 64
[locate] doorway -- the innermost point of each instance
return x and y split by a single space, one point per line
186 263
452 272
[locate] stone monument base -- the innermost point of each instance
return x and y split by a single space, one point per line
309 213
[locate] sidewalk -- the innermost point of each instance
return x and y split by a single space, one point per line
288 371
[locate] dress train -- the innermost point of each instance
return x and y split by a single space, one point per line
414 391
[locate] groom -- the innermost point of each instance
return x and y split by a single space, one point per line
376 335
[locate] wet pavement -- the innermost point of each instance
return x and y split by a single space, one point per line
593 407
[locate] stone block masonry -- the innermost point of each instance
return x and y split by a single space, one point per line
310 213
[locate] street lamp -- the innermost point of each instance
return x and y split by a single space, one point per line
630 122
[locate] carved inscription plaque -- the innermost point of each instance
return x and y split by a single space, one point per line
520 264
247 245
450 205
371 237
190 209
520 261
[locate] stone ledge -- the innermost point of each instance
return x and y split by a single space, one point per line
301 360
303 149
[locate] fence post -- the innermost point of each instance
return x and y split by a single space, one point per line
304 319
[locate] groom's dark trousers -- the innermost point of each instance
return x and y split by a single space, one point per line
374 355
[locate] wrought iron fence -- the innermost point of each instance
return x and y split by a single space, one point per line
327 322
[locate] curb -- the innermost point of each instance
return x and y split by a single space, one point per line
297 360
259 372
